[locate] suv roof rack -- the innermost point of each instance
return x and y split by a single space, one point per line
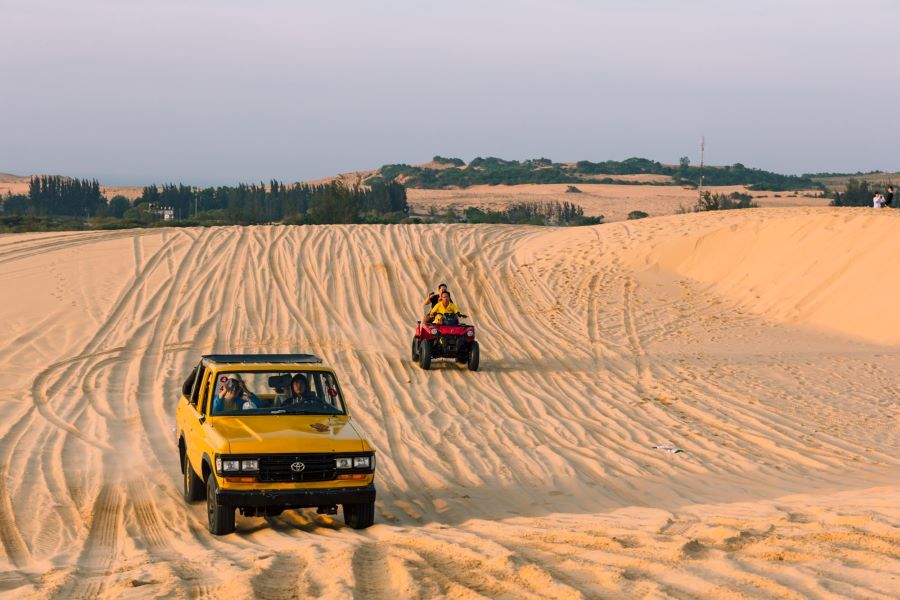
262 358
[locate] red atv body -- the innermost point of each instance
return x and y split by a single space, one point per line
445 340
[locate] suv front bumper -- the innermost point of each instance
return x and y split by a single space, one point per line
296 498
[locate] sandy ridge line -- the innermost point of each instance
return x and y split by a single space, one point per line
54 246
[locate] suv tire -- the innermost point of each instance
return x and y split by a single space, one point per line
359 516
194 488
220 518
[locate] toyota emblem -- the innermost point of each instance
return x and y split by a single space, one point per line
297 467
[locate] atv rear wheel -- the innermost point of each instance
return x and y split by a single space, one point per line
425 354
474 357
415 349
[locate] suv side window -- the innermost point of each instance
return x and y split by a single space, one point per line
206 390
198 380
331 393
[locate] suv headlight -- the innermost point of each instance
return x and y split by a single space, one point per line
355 462
229 465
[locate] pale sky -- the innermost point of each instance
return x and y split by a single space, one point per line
221 91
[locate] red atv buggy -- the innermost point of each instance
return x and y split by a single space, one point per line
447 339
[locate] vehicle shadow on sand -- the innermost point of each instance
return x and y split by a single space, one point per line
454 506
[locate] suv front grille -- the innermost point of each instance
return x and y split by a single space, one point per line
277 467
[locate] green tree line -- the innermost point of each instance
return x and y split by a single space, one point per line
61 196
497 171
857 193
54 201
534 213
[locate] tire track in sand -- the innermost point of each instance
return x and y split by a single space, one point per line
101 548
283 579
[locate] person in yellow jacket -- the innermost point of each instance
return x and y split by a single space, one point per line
444 307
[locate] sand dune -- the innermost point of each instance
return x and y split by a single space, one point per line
610 200
831 270
729 336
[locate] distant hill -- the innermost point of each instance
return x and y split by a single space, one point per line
838 181
447 173
9 178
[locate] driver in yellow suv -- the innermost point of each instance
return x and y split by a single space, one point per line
299 391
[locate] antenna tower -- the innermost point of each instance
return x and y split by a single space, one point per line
702 148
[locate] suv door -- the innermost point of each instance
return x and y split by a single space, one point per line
194 418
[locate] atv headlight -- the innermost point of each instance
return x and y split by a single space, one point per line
470 333
344 463
250 465
360 462
433 331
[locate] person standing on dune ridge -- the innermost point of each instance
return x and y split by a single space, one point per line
889 196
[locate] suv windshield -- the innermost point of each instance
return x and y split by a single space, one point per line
276 392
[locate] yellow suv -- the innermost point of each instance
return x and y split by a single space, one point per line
262 433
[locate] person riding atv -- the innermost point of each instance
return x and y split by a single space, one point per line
441 311
442 335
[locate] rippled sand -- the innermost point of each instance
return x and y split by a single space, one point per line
765 344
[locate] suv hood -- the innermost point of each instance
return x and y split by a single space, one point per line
285 434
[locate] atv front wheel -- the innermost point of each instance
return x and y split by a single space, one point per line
425 354
473 357
415 349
